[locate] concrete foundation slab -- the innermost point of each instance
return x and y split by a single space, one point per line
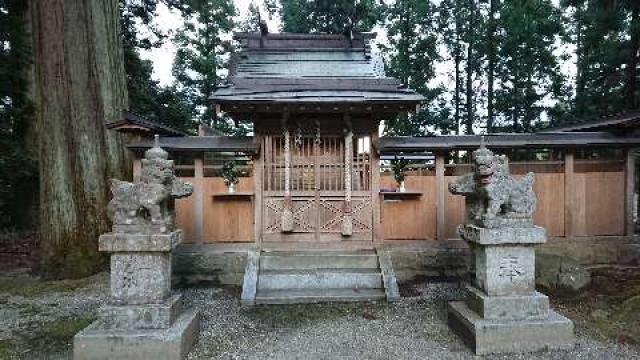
97 343
502 336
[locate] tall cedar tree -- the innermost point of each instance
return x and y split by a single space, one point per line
163 104
607 40
491 48
410 54
451 27
79 85
200 64
527 68
329 16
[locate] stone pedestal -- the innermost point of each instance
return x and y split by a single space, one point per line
503 312
142 320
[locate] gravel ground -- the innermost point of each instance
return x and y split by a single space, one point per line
39 324
413 328
38 319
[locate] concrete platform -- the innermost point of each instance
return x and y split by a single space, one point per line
174 343
503 336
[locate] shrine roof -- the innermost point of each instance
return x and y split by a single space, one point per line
622 122
245 144
505 141
138 124
309 68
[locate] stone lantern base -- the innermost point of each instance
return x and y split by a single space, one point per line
503 312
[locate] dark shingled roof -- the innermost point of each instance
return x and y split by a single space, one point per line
244 144
132 122
307 68
504 141
616 122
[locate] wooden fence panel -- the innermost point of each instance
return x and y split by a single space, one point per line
185 215
410 218
453 210
597 212
228 219
599 203
549 214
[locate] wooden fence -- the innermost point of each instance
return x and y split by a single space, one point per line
597 195
581 198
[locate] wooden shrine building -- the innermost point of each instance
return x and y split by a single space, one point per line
315 102
313 218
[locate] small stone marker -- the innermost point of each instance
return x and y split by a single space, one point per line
503 312
143 319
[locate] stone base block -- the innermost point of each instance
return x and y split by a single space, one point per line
144 316
505 270
97 343
140 278
511 307
142 241
502 235
500 336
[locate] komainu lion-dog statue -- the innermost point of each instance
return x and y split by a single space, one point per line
493 197
148 204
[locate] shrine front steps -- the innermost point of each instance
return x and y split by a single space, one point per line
316 276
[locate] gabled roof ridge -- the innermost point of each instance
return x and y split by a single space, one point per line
302 36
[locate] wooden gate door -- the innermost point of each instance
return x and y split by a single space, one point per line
317 189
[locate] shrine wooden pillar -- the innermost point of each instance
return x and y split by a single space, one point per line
198 194
137 168
286 223
347 221
375 191
630 191
569 194
258 171
441 187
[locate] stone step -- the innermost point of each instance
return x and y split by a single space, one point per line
320 279
292 296
318 260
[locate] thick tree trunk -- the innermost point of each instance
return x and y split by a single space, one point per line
80 85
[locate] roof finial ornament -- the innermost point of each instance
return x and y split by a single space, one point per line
156 140
482 142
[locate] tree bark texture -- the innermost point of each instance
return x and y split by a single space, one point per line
79 85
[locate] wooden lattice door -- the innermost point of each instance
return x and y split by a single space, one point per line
317 189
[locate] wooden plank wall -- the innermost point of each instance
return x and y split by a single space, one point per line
410 218
596 213
225 219
599 203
